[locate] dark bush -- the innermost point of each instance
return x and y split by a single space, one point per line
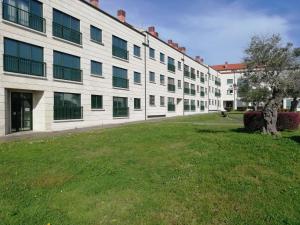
253 121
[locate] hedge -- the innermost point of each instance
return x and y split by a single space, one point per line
253 121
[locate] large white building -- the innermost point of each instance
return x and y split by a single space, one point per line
65 66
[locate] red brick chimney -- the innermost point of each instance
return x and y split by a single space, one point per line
175 45
198 59
170 42
226 64
182 49
202 60
122 15
95 3
152 31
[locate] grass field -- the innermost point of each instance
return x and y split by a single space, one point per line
184 171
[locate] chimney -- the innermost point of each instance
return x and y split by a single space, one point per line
95 3
152 31
175 45
170 42
182 49
198 59
226 64
202 60
122 15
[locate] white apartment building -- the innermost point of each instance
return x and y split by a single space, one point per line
65 66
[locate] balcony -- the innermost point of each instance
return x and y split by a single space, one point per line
186 91
22 17
193 76
120 52
193 92
171 107
187 74
202 80
120 82
202 108
171 67
193 108
120 112
202 94
186 107
67 73
24 66
68 112
171 87
66 33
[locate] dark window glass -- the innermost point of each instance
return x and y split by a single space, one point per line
152 53
162 57
97 101
96 68
119 48
137 103
137 77
137 51
96 34
152 77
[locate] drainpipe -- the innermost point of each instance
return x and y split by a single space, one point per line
208 92
146 44
182 67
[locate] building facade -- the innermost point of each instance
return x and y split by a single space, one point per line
66 66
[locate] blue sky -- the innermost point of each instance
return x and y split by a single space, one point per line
217 30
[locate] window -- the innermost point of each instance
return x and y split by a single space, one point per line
97 102
66 67
171 64
186 105
152 100
186 71
96 34
162 58
186 88
193 91
137 77
162 79
171 104
171 84
193 105
120 77
152 53
137 51
179 84
67 106
120 107
137 103
20 57
202 78
162 101
229 81
66 27
119 48
229 92
198 89
27 13
152 77
193 73
96 68
179 65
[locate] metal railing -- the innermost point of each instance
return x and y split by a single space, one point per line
202 94
24 66
202 80
218 83
193 92
120 82
171 87
193 108
171 67
120 52
193 76
187 74
67 73
120 112
187 107
186 91
171 107
68 112
22 17
66 33
202 108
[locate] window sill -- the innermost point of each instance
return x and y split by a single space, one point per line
122 89
152 106
97 110
98 76
171 71
124 60
24 75
137 57
68 42
68 121
120 118
163 106
97 42
138 110
162 84
24 28
152 58
68 81
163 63
140 84
152 82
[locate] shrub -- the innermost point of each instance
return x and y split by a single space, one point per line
253 121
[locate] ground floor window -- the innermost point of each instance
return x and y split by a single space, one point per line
137 103
97 102
67 106
120 107
152 100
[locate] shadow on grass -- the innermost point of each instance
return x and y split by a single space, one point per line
295 139
207 131
243 130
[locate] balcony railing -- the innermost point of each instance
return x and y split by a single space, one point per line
187 107
193 108
218 83
66 33
193 92
171 87
202 94
120 82
193 76
187 74
202 108
67 73
171 107
24 66
120 52
120 112
202 80
68 112
171 67
186 91
22 17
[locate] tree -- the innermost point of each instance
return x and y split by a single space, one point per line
269 65
250 94
294 89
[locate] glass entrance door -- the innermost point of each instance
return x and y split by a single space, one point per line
21 111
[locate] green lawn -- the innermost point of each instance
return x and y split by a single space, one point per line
184 171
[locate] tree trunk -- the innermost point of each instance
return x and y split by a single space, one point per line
270 114
294 105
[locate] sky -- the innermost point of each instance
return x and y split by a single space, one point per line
216 30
